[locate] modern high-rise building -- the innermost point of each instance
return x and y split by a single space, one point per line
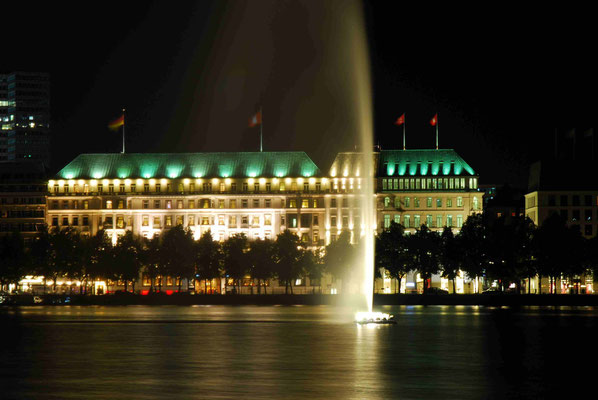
4 118
25 117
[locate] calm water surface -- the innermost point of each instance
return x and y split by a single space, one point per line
302 352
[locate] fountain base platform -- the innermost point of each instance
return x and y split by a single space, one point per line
374 318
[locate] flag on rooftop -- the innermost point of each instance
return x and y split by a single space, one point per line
117 123
400 120
256 119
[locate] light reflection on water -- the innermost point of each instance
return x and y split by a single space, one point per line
216 352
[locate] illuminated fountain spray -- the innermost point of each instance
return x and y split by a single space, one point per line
363 118
364 123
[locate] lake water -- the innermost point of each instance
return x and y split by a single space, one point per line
297 352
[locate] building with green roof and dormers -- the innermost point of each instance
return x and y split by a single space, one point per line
436 188
259 194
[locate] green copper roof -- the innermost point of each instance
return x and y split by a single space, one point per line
440 162
389 163
190 165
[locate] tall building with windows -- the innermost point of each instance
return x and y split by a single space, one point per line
261 194
257 194
436 188
23 191
25 117
563 184
4 118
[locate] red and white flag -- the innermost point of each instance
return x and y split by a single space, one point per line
256 119
434 120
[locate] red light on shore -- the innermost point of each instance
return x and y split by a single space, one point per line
145 292
169 292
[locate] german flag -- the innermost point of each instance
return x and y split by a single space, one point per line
117 123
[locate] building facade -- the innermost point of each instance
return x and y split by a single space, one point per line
260 194
436 188
25 117
23 191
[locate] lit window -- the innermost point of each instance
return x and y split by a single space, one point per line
386 221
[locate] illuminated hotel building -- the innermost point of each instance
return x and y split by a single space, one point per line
259 194
436 188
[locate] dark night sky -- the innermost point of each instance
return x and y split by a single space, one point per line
190 75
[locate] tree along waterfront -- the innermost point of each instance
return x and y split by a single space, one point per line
508 254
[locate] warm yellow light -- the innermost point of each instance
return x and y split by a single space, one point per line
250 181
227 181
152 181
300 181
105 181
116 181
275 180
262 181
81 182
186 181
287 180
61 182
312 180
127 181
93 182
71 182
163 181
214 180
139 181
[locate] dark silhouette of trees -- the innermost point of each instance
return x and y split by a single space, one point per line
12 259
472 242
262 254
312 263
391 253
208 259
177 254
423 249
450 256
287 258
127 259
340 257
236 263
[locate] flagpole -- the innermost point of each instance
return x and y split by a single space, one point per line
404 123
436 131
261 132
123 131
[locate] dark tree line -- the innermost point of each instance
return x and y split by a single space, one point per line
66 254
500 251
505 251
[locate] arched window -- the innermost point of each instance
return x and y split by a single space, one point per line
386 202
